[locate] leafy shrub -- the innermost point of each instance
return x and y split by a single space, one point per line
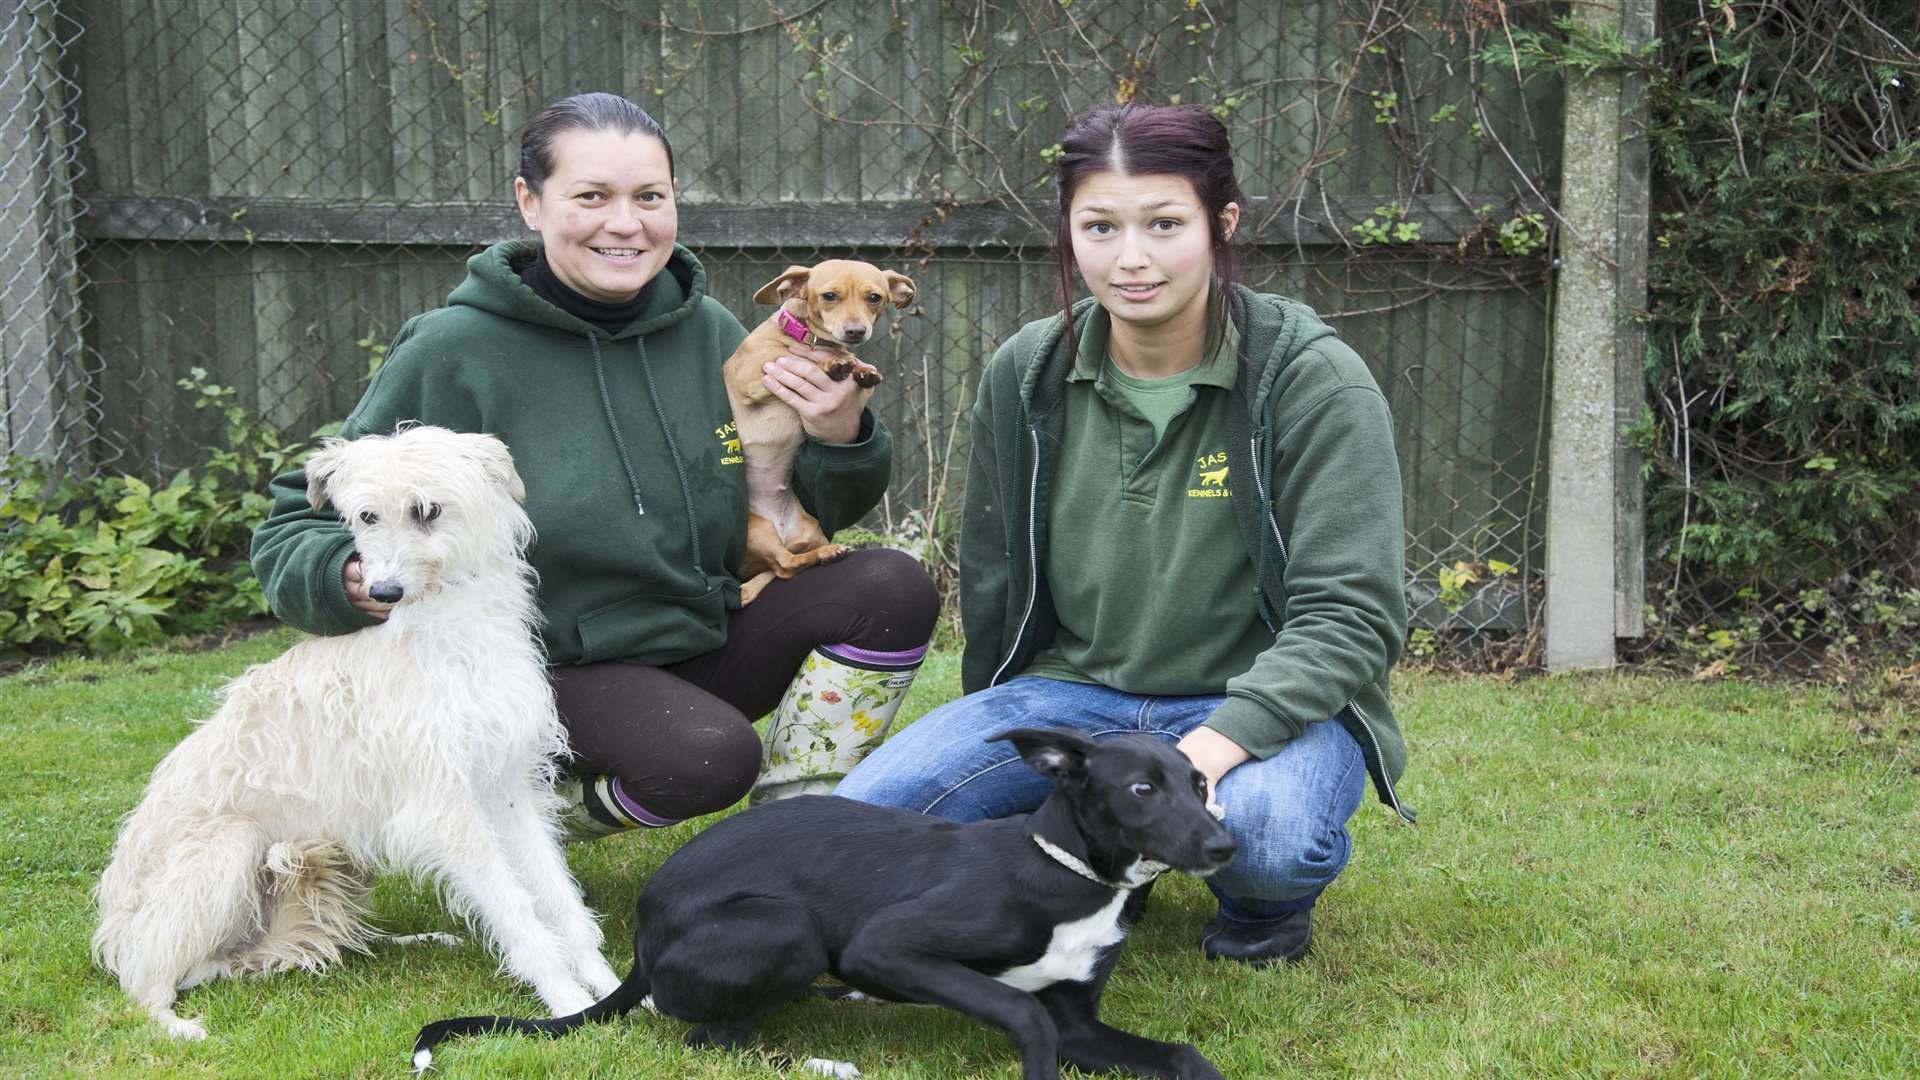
109 562
1784 436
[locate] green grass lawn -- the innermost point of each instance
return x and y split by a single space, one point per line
1614 876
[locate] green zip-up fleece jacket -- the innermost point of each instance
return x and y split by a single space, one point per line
633 471
1321 522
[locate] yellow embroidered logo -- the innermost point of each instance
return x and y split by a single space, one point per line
1212 474
729 435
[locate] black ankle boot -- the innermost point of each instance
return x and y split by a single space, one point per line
1280 939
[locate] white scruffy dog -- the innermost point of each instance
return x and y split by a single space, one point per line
425 745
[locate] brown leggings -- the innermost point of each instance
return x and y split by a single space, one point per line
680 737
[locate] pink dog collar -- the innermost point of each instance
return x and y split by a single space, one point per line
793 327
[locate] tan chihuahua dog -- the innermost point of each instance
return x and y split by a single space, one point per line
832 307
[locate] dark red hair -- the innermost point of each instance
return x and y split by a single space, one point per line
1143 140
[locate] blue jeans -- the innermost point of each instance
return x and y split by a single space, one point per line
1289 813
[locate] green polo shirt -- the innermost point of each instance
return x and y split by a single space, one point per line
1156 400
1149 574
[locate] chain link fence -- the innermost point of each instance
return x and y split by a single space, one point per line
267 189
48 402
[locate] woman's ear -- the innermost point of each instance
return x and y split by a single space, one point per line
1229 219
529 202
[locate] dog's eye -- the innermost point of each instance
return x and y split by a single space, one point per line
1142 789
1200 784
874 299
830 297
426 514
368 517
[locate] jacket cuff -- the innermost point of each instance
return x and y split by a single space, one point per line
861 440
332 600
873 448
1247 722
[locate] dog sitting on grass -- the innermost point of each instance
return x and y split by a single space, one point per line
424 745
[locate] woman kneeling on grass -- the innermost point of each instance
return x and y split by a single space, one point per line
1183 517
595 353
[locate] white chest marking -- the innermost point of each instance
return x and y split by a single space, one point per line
1073 950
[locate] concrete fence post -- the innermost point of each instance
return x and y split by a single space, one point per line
1595 525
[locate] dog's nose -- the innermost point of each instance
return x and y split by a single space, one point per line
387 592
854 334
1219 848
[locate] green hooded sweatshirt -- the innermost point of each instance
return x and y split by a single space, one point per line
633 471
1321 523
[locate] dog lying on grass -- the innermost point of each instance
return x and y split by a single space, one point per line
1015 922
424 745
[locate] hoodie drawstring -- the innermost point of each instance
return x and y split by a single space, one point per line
666 432
606 409
673 451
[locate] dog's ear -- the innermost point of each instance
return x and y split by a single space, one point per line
901 286
785 287
497 463
321 467
1059 754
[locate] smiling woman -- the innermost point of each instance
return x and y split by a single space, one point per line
604 209
596 354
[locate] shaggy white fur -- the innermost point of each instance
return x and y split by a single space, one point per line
425 745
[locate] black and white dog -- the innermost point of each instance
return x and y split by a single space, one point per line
1015 922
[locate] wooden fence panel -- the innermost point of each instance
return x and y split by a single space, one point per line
289 97
270 181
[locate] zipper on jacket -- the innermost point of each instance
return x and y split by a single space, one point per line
1266 504
1392 796
1033 559
1266 508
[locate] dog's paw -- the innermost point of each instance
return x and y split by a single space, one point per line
431 937
1190 1064
866 375
601 980
833 552
750 589
566 1000
839 1070
179 1027
839 370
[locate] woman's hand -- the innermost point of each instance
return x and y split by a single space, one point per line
357 591
1213 754
829 410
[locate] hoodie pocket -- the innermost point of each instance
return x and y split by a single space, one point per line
654 628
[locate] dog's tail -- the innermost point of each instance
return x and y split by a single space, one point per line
619 1003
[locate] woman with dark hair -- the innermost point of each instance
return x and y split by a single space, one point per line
594 352
1182 517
